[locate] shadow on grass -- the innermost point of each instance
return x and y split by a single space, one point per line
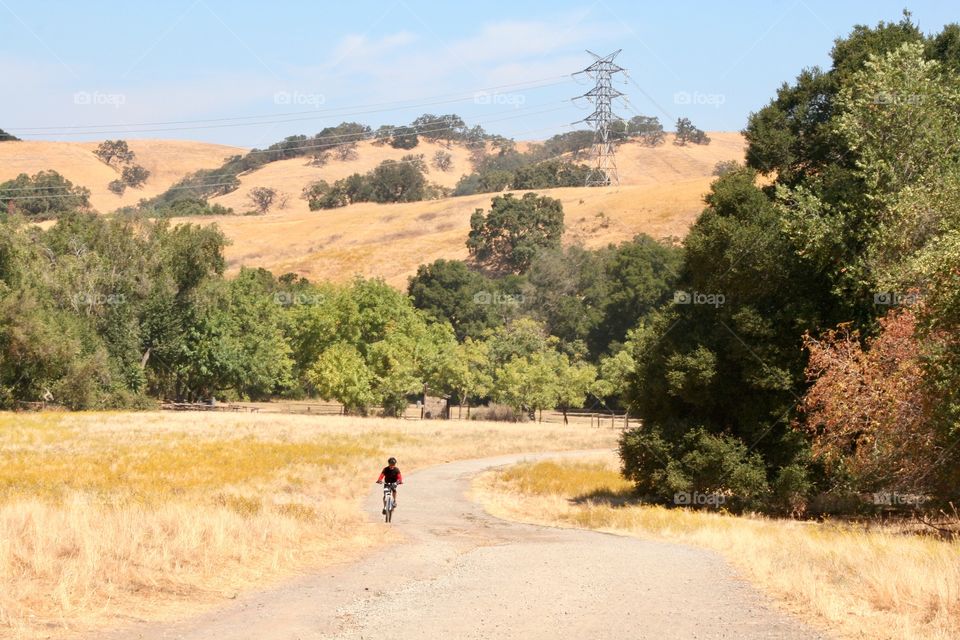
609 498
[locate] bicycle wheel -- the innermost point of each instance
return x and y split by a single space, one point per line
389 509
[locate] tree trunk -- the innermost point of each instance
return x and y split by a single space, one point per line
565 416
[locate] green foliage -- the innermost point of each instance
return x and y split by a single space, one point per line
404 138
442 160
509 236
340 373
7 137
646 129
390 181
42 196
687 132
262 198
114 152
551 174
134 176
447 290
699 463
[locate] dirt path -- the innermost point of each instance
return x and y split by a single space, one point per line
460 573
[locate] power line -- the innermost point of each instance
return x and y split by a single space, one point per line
325 145
233 184
356 137
602 96
313 114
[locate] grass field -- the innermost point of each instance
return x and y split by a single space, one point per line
112 517
862 583
661 194
167 161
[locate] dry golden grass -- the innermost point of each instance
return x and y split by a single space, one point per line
864 584
167 161
661 194
391 240
108 517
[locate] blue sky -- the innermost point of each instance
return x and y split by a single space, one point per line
116 67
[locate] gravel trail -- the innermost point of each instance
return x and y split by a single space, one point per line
459 573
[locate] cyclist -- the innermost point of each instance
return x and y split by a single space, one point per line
391 474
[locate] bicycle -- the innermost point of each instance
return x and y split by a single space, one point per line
388 500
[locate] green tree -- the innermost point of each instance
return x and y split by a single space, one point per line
447 290
527 384
574 382
42 196
404 138
115 152
134 176
466 372
340 373
394 181
508 237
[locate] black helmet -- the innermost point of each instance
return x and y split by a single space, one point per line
392 461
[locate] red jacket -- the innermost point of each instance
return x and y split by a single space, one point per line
391 475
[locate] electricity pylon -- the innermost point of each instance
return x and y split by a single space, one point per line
602 96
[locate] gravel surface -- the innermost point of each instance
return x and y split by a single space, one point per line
457 572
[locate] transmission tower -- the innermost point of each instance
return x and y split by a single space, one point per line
602 96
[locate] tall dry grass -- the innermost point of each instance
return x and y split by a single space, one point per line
111 517
861 583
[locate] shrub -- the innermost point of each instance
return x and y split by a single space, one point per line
134 176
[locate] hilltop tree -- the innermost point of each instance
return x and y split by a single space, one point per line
445 128
509 236
404 138
687 132
114 152
646 129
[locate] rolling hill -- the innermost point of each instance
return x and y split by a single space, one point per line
167 161
660 194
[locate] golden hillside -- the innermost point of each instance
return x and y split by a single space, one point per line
167 161
661 194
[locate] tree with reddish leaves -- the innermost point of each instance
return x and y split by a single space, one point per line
868 411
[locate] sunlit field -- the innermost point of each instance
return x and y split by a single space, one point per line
107 518
864 584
